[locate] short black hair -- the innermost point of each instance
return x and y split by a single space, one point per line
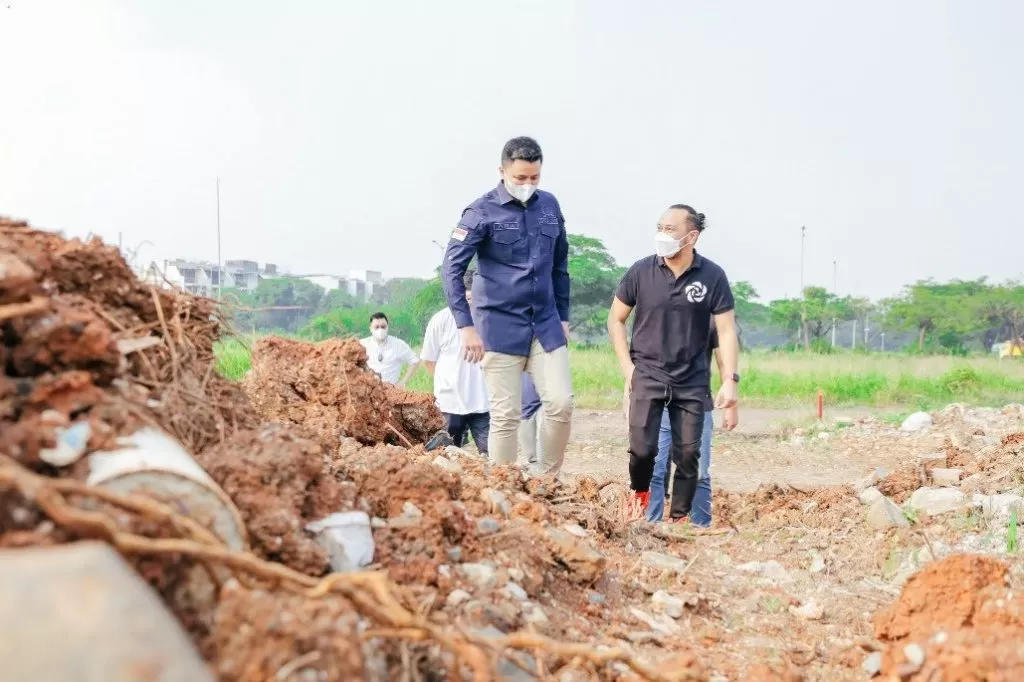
467 279
521 149
698 220
379 316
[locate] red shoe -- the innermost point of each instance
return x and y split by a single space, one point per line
643 498
639 506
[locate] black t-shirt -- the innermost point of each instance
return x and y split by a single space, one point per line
672 320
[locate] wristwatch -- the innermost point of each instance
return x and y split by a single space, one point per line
735 378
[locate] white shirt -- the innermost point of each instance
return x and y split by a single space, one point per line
388 358
458 385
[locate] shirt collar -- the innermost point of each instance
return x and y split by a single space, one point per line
698 261
505 198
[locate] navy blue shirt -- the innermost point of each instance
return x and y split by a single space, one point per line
521 287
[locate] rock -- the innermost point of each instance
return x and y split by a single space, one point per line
808 611
844 421
672 606
348 539
817 563
516 592
585 563
575 529
516 574
936 501
883 513
80 612
663 624
946 477
596 598
916 422
999 505
456 452
824 435
455 554
612 493
411 510
870 495
497 500
872 665
772 570
481 575
534 615
457 598
442 462
665 562
914 654
488 526
400 522
377 522
71 445
932 460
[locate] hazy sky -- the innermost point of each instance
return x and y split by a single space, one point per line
352 134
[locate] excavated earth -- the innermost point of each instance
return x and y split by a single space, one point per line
537 578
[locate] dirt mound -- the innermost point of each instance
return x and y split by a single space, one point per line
84 341
943 595
900 484
995 468
278 479
328 388
956 619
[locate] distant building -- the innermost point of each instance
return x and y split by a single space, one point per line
203 278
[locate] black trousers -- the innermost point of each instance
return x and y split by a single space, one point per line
459 425
648 398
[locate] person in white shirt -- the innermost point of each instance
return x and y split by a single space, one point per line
459 385
386 355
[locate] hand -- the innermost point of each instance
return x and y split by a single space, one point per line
732 418
565 328
727 395
472 346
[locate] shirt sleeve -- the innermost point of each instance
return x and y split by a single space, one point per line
431 350
560 272
462 246
721 299
627 289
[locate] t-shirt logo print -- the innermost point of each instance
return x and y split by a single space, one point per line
695 292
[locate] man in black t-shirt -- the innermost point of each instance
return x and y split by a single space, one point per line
674 294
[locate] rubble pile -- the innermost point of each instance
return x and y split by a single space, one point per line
90 353
327 388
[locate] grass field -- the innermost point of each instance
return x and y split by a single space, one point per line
787 379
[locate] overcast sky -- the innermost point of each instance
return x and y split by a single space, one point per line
351 134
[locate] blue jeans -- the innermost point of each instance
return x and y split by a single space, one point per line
700 515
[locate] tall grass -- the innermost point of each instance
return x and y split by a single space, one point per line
772 379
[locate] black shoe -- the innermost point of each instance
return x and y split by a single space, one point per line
439 440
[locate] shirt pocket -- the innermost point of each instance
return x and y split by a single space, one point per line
548 236
509 242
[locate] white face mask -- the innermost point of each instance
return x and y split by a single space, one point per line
666 246
380 333
520 192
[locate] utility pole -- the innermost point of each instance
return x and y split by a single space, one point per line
220 270
853 337
883 342
803 295
834 293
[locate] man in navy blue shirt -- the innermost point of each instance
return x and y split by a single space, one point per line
519 319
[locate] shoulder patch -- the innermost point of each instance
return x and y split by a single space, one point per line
459 234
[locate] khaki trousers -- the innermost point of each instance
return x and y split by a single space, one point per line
550 374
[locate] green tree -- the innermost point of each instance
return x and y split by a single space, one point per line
594 275
947 311
748 310
1004 308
